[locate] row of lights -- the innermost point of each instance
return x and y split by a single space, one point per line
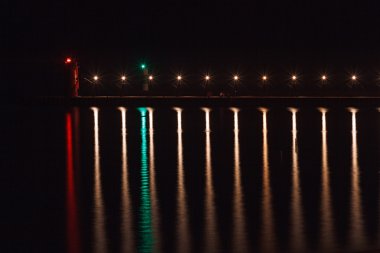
235 78
207 77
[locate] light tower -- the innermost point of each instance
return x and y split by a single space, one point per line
144 68
73 89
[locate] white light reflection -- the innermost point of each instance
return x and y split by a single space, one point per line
128 244
357 240
268 233
239 241
100 242
207 119
297 223
183 232
210 234
327 239
153 188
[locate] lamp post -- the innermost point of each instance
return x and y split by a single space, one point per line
147 79
235 80
178 83
207 80
123 81
95 88
353 84
73 89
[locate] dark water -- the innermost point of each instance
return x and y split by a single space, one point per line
118 179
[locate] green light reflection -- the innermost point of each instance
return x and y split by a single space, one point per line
145 219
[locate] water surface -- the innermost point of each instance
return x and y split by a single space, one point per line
196 179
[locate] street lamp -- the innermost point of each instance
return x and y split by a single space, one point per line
150 78
177 83
235 79
207 78
95 78
264 78
324 77
354 77
294 77
123 78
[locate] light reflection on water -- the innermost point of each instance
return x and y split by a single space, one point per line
239 240
147 233
211 240
183 233
128 244
153 187
100 241
73 235
145 220
357 240
297 238
268 233
327 239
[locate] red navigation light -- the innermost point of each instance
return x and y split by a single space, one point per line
68 60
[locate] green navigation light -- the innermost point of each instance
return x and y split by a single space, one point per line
143 66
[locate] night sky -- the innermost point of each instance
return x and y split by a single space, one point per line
193 35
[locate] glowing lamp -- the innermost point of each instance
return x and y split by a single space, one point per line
354 77
179 78
264 78
68 60
236 77
207 77
96 78
150 77
123 78
324 77
294 77
143 66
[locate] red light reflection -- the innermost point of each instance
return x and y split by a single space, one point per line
73 239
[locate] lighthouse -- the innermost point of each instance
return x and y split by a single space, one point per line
73 85
145 86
